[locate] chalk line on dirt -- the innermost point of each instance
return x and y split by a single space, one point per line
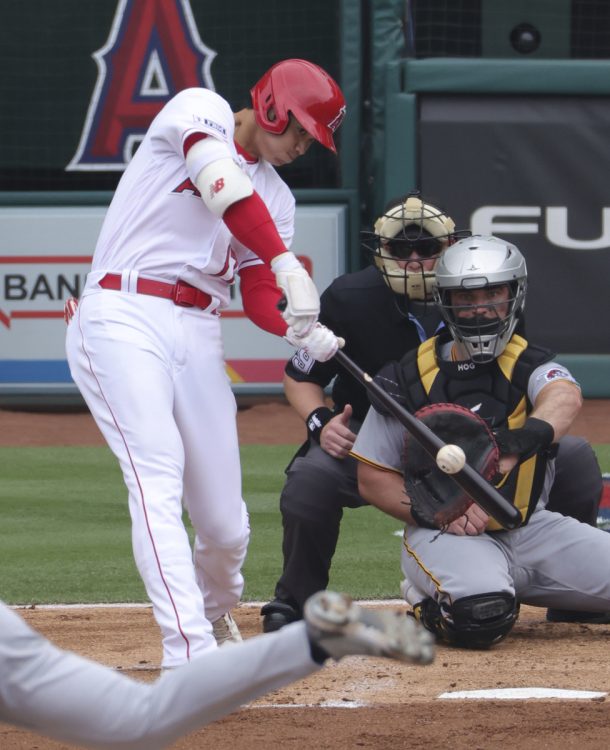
523 693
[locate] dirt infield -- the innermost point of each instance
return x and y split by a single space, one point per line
373 703
271 422
359 703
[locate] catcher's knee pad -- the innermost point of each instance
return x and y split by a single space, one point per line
477 621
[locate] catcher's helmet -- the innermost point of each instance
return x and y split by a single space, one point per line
409 224
303 89
479 262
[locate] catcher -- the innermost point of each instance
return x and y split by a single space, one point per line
464 575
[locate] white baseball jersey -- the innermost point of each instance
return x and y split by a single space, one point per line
156 224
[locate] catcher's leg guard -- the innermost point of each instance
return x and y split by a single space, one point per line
477 621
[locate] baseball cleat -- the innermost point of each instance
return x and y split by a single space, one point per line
277 614
225 630
341 628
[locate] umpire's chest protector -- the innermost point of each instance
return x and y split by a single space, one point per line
496 391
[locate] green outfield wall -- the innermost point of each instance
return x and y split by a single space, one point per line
440 97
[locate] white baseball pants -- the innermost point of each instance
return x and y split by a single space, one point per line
153 376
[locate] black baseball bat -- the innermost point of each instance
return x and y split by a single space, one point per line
479 489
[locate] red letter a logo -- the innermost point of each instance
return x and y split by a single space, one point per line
153 51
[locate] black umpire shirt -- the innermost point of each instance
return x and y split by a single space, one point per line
362 309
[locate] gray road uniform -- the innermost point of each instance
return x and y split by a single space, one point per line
67 697
550 561
70 698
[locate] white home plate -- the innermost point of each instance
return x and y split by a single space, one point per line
517 694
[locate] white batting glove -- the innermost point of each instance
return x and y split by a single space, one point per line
302 298
321 343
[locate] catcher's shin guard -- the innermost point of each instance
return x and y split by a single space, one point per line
478 621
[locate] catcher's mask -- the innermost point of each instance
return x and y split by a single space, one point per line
482 262
305 90
410 229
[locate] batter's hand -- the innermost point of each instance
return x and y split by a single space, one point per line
472 523
336 437
321 343
301 305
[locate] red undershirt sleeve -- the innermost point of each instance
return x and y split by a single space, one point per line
250 222
260 296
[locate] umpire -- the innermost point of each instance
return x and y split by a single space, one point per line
382 312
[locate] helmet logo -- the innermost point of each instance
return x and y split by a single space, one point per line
334 124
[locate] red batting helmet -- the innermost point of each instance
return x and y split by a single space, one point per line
305 90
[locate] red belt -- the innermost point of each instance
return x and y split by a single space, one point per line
180 293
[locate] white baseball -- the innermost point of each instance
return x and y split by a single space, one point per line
450 459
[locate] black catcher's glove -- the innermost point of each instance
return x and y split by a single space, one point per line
436 499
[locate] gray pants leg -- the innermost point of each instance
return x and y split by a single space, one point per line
578 485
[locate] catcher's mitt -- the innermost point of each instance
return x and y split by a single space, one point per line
436 499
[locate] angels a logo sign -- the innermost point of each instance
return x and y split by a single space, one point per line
153 51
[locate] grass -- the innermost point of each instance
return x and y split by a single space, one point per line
65 532
367 559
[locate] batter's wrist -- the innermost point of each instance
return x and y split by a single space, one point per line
316 420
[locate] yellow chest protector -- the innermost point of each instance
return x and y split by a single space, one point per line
522 485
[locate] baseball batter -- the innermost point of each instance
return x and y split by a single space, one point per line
466 583
67 697
199 203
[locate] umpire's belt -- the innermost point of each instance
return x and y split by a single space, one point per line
180 293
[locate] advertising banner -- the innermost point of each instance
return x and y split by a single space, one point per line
533 170
45 255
